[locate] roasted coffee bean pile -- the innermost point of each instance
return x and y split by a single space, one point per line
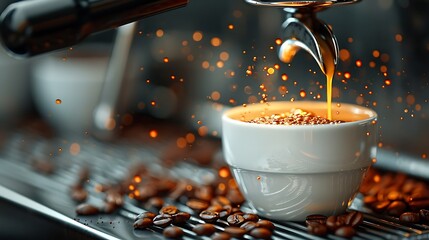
341 225
113 196
78 191
261 229
215 203
296 117
218 204
397 195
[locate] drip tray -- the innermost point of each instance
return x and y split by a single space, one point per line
41 204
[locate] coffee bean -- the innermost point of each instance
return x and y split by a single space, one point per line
143 223
209 216
171 210
214 208
173 232
236 210
400 179
204 193
235 231
354 219
345 231
102 187
83 175
181 218
235 220
221 200
149 215
380 206
248 226
155 202
87 209
409 186
317 228
416 205
420 194
266 224
394 196
79 194
261 233
335 222
396 208
318 218
221 236
386 180
221 189
235 196
232 184
250 217
206 229
197 205
190 190
374 190
369 200
382 195
164 186
410 217
424 215
162 220
145 192
115 197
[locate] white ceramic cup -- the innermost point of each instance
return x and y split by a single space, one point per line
290 172
75 78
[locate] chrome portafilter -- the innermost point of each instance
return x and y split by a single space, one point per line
303 30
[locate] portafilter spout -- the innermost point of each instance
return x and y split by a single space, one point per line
303 30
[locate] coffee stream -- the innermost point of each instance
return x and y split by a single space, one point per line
328 67
329 71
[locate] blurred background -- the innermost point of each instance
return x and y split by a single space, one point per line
188 64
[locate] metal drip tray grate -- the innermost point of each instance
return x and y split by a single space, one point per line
48 195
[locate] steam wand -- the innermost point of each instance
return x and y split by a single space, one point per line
105 116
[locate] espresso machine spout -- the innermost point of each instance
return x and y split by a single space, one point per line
303 30
312 35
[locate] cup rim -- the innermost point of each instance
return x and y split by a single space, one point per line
226 116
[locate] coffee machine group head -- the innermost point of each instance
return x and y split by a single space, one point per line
303 30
